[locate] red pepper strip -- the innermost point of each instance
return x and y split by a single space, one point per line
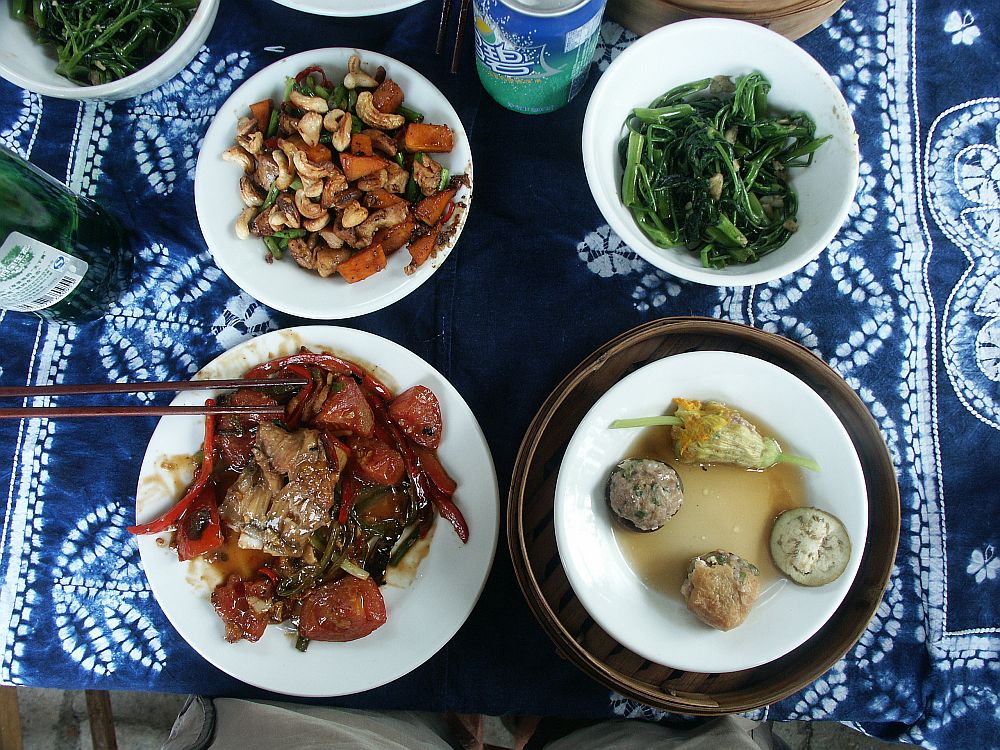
292 420
169 519
306 358
268 572
323 361
199 530
422 484
334 447
271 143
448 211
301 75
348 491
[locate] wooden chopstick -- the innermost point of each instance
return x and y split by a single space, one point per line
153 410
49 412
463 14
165 385
443 26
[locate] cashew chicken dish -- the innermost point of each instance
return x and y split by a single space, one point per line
340 176
319 484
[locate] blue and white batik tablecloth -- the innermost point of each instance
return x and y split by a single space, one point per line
905 305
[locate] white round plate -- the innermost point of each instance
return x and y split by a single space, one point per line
348 8
649 622
701 48
421 618
284 285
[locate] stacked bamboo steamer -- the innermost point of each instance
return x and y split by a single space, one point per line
791 18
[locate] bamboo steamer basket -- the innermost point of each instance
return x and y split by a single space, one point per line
791 18
577 637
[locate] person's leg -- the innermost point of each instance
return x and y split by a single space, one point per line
729 732
249 725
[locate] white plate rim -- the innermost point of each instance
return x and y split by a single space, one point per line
348 8
308 295
610 620
452 576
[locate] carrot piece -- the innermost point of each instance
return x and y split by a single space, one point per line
432 208
397 236
381 198
431 139
364 263
361 144
356 167
388 96
261 112
422 247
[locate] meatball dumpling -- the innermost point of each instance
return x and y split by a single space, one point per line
720 588
644 493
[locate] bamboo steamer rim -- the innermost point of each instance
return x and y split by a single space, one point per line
748 8
552 600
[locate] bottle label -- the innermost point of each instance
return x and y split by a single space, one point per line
34 276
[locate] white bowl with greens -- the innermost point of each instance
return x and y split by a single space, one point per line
717 205
140 47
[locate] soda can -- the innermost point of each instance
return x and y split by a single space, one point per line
533 56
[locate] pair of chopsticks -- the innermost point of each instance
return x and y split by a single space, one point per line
48 412
463 15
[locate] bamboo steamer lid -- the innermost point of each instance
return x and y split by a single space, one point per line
791 18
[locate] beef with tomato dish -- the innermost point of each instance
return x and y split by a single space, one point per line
317 496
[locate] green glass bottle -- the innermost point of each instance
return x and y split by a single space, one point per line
62 256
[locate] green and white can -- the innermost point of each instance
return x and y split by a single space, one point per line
533 56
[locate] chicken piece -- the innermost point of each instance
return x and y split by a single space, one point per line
427 174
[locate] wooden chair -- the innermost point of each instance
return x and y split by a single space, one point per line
102 724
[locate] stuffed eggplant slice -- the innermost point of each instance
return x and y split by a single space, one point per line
810 546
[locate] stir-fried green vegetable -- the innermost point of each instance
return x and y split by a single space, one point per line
706 167
98 41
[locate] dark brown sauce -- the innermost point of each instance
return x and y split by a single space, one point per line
725 507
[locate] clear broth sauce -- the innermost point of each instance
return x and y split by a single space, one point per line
725 507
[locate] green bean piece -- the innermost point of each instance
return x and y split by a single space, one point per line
272 125
273 247
706 167
410 115
272 196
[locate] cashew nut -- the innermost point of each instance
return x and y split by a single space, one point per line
312 188
242 225
310 126
309 171
308 103
331 238
356 77
354 213
239 155
306 207
314 225
249 194
359 79
275 218
286 172
371 116
373 181
252 142
286 205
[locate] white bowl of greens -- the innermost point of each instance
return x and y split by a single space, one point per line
130 62
720 208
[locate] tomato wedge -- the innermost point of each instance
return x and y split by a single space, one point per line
418 414
345 610
376 461
346 409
